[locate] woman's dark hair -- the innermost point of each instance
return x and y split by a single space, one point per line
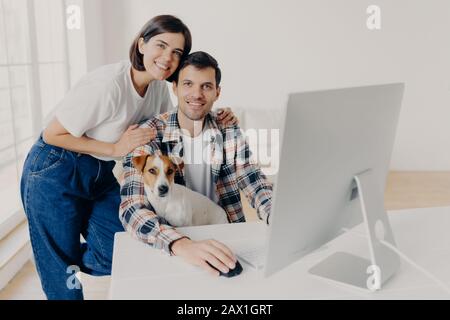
157 25
200 60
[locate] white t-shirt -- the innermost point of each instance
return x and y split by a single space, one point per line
197 166
104 103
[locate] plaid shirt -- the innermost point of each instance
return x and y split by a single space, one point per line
231 171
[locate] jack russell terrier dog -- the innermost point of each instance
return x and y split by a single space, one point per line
179 205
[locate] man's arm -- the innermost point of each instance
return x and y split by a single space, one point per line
251 180
138 219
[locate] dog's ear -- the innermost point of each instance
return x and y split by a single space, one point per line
139 162
177 162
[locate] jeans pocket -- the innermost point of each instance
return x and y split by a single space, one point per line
47 158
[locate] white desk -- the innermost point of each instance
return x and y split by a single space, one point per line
141 272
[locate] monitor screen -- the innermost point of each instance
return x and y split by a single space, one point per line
329 137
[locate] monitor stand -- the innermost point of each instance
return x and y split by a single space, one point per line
349 269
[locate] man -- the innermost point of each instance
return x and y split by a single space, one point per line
224 169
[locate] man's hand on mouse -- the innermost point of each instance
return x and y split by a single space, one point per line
200 252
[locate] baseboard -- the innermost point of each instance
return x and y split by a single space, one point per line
11 223
15 251
14 265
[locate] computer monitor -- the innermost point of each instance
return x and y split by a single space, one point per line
334 160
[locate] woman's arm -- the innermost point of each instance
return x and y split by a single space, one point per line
226 117
55 134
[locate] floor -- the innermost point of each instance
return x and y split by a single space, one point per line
404 190
26 286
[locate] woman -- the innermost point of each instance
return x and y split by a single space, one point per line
67 186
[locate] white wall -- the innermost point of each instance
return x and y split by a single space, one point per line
76 47
269 48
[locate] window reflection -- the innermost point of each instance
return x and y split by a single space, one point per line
33 78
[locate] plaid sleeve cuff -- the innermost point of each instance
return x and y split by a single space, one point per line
264 211
166 238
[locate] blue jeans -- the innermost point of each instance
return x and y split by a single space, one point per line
65 194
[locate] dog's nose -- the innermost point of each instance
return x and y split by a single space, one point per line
162 189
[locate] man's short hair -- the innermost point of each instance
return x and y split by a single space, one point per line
200 60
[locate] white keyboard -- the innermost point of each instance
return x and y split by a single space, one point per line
252 254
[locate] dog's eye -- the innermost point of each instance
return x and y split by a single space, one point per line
152 171
169 172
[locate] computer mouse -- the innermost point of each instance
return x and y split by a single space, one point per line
232 272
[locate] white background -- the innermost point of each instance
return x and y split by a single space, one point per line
269 48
